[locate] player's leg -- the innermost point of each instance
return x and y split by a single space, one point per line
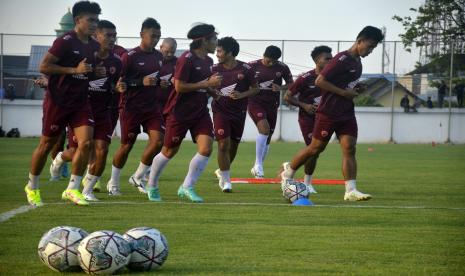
95 171
222 127
63 157
59 147
306 127
272 116
258 115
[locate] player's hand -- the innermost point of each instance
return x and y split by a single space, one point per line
360 87
350 94
100 70
235 95
215 80
121 86
83 67
165 84
275 87
149 81
41 82
309 108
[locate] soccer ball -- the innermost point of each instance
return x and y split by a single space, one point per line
58 248
295 190
103 252
149 248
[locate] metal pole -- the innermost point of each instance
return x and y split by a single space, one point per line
450 88
391 138
1 79
383 51
280 108
338 46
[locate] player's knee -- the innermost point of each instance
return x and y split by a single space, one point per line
349 150
223 146
169 152
101 152
205 151
85 145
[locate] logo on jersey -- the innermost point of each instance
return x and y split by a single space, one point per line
226 91
175 139
198 68
259 114
240 76
266 84
278 74
54 128
153 75
97 85
66 37
141 63
80 76
166 77
324 133
352 84
112 70
317 100
76 52
220 131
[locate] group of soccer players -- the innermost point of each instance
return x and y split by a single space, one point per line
91 82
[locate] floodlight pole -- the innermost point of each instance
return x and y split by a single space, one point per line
450 88
280 136
394 79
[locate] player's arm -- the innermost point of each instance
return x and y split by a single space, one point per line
185 87
253 90
292 100
49 66
329 87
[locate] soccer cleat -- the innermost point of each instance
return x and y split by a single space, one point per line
55 169
74 196
98 186
153 194
217 173
113 189
90 196
284 178
190 194
227 187
138 183
257 172
65 170
33 197
220 179
310 189
355 195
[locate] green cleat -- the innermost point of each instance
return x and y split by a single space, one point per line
97 187
74 196
154 194
190 194
33 197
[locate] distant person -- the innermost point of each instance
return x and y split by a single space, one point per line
458 90
404 102
442 93
11 92
429 103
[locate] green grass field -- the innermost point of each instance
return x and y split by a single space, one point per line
415 223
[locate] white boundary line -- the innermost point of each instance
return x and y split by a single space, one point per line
26 208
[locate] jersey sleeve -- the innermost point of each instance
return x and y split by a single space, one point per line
333 69
250 75
183 69
59 48
297 86
287 75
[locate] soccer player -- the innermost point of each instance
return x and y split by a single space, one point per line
304 94
67 63
163 90
187 110
230 107
263 107
141 66
338 81
100 93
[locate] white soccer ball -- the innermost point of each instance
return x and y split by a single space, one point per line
295 190
103 252
149 248
58 248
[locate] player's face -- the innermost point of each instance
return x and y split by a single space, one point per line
366 46
106 38
150 37
269 61
87 23
222 55
167 50
210 44
323 59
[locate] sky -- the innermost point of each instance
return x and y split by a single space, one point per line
242 19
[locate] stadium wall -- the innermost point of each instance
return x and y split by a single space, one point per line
424 126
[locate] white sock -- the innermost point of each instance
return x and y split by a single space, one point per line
350 185
196 167
289 173
308 179
74 182
58 160
91 180
260 147
115 175
141 170
226 175
265 152
33 182
158 164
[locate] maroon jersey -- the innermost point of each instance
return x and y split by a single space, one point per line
266 76
342 71
166 73
138 64
115 95
306 91
191 105
67 90
119 51
239 79
101 89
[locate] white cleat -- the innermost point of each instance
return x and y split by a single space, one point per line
138 183
227 187
217 173
310 189
355 195
113 189
284 178
220 179
90 197
257 172
55 170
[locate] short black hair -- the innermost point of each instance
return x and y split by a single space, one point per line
198 32
319 50
150 23
272 52
83 7
229 45
105 24
370 32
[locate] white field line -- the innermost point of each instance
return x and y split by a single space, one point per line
23 209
